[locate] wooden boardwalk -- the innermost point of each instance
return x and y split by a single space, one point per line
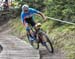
14 48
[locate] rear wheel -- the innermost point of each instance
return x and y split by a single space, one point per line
33 41
47 43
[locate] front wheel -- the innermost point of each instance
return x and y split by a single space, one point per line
47 43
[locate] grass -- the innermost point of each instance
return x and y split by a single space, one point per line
18 28
63 37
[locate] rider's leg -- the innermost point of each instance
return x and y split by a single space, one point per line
29 34
32 23
28 29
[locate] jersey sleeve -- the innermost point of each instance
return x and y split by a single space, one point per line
34 10
22 17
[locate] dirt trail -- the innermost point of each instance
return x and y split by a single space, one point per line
58 54
44 54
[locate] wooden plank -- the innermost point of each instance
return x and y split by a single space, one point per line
14 48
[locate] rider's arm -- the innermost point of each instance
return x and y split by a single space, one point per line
24 22
43 16
22 18
38 12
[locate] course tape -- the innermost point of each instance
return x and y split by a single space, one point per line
61 20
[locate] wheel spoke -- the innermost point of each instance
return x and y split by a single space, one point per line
48 43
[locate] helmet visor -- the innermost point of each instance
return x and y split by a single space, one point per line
25 8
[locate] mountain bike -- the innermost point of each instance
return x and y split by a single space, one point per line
40 37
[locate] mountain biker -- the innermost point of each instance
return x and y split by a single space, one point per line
27 15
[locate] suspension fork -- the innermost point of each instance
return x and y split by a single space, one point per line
41 39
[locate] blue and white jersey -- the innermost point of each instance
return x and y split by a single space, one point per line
30 13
